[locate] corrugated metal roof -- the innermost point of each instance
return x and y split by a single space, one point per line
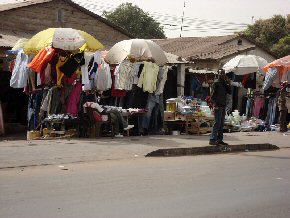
9 38
193 48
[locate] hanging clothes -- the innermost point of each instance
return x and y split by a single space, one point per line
40 61
271 79
34 107
148 77
51 103
73 100
258 106
124 75
103 80
72 64
20 71
249 107
85 68
195 83
61 61
272 111
161 80
249 81
116 92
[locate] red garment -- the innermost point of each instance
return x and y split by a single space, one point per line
116 92
245 79
69 80
74 99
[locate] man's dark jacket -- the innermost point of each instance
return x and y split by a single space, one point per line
219 93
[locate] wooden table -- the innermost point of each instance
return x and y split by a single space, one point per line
128 115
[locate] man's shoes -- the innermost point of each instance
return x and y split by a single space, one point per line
119 136
213 143
129 127
222 143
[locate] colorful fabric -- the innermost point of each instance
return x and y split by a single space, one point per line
60 74
40 61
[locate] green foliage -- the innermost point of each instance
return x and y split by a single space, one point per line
271 34
137 22
282 48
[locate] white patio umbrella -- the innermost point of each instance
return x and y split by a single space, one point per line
244 64
139 49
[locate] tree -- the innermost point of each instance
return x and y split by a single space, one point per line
272 34
137 22
282 48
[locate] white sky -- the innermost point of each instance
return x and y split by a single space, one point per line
212 17
201 17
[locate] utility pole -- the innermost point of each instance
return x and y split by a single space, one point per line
252 20
182 18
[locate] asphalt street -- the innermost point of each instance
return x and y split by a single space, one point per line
250 184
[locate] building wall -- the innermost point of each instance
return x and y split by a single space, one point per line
57 13
256 51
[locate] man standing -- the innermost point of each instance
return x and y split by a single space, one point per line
221 88
282 107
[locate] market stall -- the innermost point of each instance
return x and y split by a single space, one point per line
60 78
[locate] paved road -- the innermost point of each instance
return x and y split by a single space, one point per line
253 184
15 153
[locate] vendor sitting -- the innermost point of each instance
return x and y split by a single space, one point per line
119 123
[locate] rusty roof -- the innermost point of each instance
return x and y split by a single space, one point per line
197 48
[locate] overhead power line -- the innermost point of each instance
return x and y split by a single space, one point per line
171 22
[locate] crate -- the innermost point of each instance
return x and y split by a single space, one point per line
169 116
180 117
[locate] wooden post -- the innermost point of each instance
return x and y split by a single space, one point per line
180 79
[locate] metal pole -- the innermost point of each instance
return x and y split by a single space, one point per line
182 18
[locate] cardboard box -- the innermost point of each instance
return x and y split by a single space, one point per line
168 115
180 117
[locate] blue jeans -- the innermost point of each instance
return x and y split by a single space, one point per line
153 101
219 120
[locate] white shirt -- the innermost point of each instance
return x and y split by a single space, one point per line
103 79
124 76
20 71
84 68
161 79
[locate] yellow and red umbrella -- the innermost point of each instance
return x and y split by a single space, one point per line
63 38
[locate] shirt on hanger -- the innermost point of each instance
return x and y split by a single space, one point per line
148 77
161 80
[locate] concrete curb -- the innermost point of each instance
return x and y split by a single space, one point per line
171 152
